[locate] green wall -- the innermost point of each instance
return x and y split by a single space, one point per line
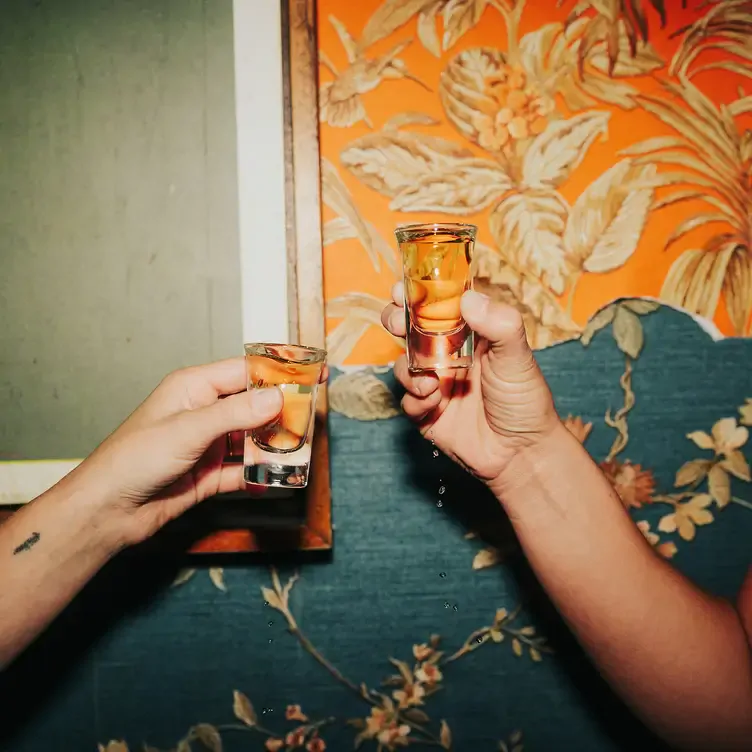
118 210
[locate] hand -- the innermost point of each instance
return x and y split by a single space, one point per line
484 417
168 455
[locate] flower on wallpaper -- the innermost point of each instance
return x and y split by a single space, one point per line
687 515
667 550
340 101
709 162
633 484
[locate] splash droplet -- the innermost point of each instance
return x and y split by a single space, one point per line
439 503
446 604
435 452
442 489
271 640
271 623
479 640
442 575
266 603
454 607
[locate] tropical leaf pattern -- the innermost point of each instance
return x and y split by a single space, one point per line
603 147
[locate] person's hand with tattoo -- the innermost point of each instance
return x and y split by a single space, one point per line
166 457
691 680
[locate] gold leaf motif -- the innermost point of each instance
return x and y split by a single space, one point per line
517 647
628 332
719 485
692 472
597 322
445 735
427 33
243 709
560 149
607 220
391 161
486 557
402 119
736 464
335 195
390 16
459 17
529 226
217 576
362 396
535 655
701 439
182 577
359 312
645 59
271 597
737 288
341 341
208 736
546 323
641 307
465 188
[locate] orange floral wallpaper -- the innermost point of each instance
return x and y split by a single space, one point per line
602 147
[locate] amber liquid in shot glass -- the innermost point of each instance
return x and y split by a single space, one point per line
437 263
279 454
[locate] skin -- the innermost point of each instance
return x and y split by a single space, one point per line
165 458
679 657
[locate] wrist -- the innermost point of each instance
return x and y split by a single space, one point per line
89 502
530 466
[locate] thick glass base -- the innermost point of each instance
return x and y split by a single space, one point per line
277 475
437 352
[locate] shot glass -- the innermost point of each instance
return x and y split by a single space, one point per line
437 263
279 454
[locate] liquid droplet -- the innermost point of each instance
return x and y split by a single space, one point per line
266 603
264 711
446 604
442 575
454 607
479 640
270 641
271 623
435 452
439 503
442 489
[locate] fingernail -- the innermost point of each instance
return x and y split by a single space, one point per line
266 400
475 303
424 384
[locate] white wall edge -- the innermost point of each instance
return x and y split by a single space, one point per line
259 102
23 481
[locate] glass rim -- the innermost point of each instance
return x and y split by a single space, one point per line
437 227
316 354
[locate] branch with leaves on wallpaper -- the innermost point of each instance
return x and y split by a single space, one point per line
398 711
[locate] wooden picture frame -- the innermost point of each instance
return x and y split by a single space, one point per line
279 520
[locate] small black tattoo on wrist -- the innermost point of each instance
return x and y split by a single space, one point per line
27 544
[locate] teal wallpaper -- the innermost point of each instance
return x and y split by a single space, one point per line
398 614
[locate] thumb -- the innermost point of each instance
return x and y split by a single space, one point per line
509 355
500 324
238 412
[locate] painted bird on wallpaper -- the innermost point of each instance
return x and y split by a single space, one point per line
340 100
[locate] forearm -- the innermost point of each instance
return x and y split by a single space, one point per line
680 657
48 551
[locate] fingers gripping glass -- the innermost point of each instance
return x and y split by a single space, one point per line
437 261
279 454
